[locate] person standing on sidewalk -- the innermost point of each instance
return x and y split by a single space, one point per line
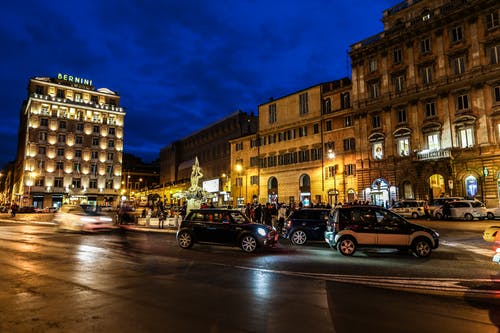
161 219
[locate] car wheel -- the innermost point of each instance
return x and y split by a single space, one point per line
438 216
185 240
469 217
421 247
299 237
414 215
490 216
248 243
347 246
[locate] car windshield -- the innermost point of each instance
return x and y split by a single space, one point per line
477 204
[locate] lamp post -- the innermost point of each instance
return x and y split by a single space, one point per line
240 185
331 156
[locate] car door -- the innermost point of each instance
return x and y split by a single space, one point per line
199 223
362 225
458 209
223 228
392 230
317 224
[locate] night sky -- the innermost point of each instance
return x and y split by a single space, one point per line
178 66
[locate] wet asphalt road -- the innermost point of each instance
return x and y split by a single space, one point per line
143 282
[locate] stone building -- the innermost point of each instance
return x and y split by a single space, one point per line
287 160
70 144
426 102
211 146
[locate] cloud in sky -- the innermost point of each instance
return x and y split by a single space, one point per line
178 65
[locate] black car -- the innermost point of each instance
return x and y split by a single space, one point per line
224 226
351 227
306 224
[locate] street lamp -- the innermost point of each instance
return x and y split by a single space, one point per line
331 156
239 167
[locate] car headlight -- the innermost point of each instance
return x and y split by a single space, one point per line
261 231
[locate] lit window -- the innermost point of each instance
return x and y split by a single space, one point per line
433 141
404 147
378 150
466 137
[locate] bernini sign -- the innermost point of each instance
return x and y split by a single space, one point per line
74 79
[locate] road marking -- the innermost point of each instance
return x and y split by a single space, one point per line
455 286
475 249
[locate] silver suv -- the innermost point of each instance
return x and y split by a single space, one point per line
350 227
409 208
462 209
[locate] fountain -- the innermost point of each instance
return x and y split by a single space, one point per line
195 195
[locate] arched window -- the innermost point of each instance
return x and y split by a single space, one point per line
305 183
408 190
471 186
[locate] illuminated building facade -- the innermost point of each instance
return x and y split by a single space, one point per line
420 120
299 153
211 146
70 144
426 102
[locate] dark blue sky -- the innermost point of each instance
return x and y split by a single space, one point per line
178 65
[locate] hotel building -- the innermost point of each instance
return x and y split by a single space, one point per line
70 144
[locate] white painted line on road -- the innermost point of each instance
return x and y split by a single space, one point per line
470 248
451 285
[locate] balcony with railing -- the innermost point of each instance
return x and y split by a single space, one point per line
427 154
89 104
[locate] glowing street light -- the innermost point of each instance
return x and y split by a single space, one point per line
331 156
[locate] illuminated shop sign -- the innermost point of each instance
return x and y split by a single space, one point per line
211 185
74 79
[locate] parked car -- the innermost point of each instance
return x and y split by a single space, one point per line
439 202
226 227
463 209
306 224
492 234
492 213
353 227
409 208
82 218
